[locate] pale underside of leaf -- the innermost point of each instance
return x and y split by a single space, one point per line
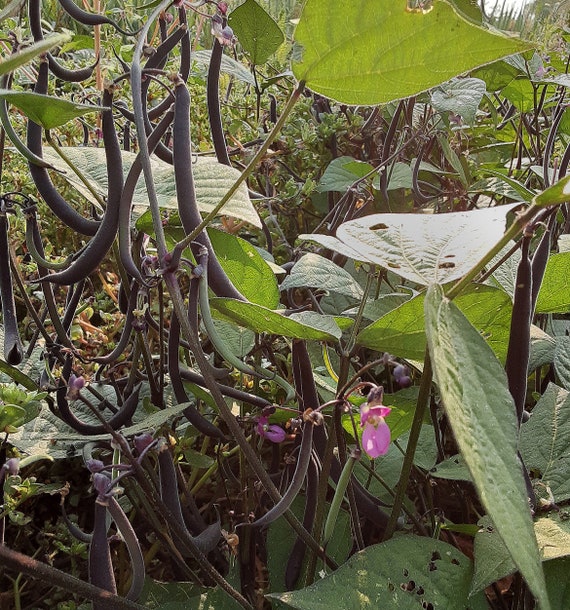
212 181
422 248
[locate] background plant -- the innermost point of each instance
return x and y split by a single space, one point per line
208 386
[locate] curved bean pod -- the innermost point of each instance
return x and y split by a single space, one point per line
213 101
86 18
97 248
68 75
58 205
518 351
120 418
303 460
125 205
187 204
191 413
133 547
100 565
13 352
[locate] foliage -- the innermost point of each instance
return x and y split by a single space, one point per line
269 343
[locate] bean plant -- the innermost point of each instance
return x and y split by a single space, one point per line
283 310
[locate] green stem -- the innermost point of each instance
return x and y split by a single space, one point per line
421 407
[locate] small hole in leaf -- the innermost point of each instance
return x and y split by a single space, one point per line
455 562
449 256
391 587
435 556
393 265
405 572
427 606
379 227
446 265
420 591
431 566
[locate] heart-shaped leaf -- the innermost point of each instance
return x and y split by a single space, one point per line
422 248
375 52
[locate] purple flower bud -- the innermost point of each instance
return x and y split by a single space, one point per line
404 382
74 386
94 465
400 371
101 483
271 432
142 441
12 466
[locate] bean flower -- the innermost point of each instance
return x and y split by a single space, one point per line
376 433
271 432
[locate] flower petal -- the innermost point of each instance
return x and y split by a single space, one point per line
376 439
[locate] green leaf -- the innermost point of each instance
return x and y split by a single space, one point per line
315 271
543 348
402 331
554 195
212 181
256 31
545 441
561 361
521 93
460 96
23 57
246 268
452 469
263 320
493 562
496 75
341 173
554 294
46 110
474 391
378 51
423 248
240 341
491 557
556 573
401 574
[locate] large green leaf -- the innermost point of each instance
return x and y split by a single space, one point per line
493 562
264 320
474 391
401 574
402 331
423 248
212 180
246 268
46 110
256 31
554 294
26 55
545 441
377 51
315 271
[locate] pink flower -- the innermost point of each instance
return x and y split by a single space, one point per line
376 433
271 432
